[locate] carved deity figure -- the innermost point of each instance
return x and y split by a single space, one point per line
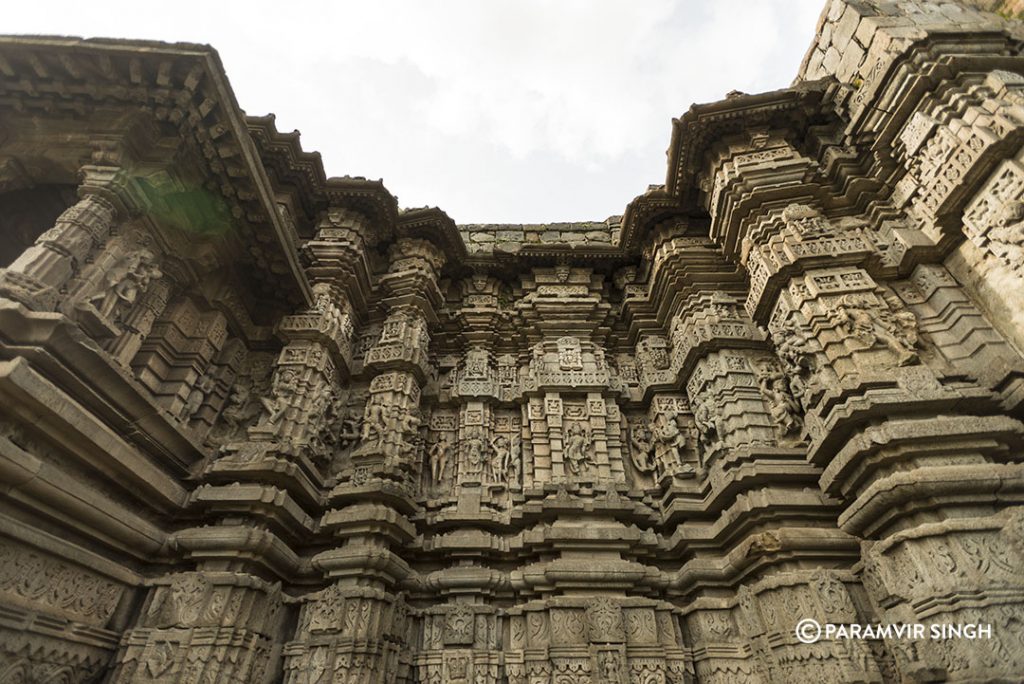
530 376
372 434
240 410
204 385
707 428
502 456
900 321
338 428
408 425
514 462
473 464
392 437
437 457
476 364
318 412
537 353
642 451
399 425
793 346
610 667
855 316
347 433
129 278
569 354
274 407
782 405
671 444
577 444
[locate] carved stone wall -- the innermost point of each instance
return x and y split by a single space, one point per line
258 425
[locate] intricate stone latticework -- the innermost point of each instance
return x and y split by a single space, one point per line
260 425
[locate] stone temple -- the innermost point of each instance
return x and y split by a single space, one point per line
260 425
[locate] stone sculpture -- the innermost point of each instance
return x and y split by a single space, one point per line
126 281
642 449
577 447
782 405
259 424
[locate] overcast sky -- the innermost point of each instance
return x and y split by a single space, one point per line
503 111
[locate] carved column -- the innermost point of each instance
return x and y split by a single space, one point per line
357 629
567 384
254 498
719 354
37 277
916 484
582 615
400 364
773 534
306 378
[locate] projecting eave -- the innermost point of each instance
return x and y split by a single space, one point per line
292 170
301 175
184 88
434 225
791 109
368 197
644 212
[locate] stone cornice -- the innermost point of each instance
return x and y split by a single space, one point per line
182 84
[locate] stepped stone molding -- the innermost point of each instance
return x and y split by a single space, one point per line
261 425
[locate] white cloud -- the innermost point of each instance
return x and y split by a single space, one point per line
503 111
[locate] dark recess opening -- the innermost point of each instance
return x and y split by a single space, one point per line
25 214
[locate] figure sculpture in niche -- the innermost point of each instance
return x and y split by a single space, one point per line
670 448
536 366
473 464
609 665
339 429
514 462
501 459
285 387
398 425
577 455
125 281
348 432
393 441
794 349
642 451
782 405
901 322
240 411
706 428
407 435
204 385
570 355
438 459
373 426
853 316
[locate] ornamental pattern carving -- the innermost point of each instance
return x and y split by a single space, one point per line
265 404
33 577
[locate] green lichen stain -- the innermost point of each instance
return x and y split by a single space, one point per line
191 210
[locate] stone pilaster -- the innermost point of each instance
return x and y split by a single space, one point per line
209 626
358 628
36 278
